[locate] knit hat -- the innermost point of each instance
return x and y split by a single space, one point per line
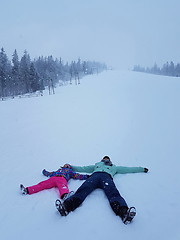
69 166
106 157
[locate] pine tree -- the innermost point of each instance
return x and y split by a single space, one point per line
15 74
25 73
165 69
33 79
5 75
171 69
177 70
51 69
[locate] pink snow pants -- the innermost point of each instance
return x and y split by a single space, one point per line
59 182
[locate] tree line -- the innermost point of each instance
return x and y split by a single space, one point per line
18 77
168 69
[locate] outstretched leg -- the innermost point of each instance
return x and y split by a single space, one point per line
112 193
117 202
59 182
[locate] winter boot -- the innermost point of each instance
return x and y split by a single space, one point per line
127 215
68 205
60 207
23 189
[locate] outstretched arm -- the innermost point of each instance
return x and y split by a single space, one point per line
121 169
79 176
49 174
88 169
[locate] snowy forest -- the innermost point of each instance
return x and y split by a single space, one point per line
168 69
18 77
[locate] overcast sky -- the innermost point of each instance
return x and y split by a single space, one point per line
121 33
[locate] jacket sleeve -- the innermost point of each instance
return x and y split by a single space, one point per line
49 174
88 169
79 176
121 169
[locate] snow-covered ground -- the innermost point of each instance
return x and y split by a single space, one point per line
132 117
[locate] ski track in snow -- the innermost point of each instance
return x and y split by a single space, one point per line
132 117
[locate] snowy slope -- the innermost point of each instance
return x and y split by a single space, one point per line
132 117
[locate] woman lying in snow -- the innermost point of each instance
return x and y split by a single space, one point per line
102 177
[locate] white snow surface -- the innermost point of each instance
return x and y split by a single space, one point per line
132 117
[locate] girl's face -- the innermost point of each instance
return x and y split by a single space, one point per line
66 166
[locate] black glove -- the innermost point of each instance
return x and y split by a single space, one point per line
145 170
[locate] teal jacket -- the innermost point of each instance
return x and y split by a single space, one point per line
112 170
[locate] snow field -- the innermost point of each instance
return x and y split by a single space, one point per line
132 117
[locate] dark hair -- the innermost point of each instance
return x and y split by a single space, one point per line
106 157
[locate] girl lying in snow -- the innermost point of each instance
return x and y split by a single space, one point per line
57 179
